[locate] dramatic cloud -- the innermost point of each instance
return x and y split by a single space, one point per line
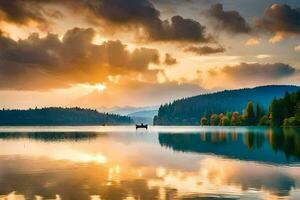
48 62
280 18
249 75
205 50
179 29
132 14
230 21
258 71
26 12
143 13
169 60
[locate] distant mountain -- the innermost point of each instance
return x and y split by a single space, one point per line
144 116
188 111
127 110
60 117
144 113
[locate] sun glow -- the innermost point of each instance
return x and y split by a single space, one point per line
87 158
100 87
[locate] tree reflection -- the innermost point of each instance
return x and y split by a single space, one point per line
51 136
286 140
267 145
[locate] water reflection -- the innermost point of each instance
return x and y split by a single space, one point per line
278 146
248 164
51 136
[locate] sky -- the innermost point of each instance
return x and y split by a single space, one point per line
107 53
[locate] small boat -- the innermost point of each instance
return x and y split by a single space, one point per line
145 126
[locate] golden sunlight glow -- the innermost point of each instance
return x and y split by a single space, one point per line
211 177
98 40
263 56
16 32
86 158
90 88
100 87
252 42
297 48
14 196
79 157
278 37
95 197
160 172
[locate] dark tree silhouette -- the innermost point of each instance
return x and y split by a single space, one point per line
60 116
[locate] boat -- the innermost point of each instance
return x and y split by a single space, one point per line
145 126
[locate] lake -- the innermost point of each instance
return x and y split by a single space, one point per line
189 163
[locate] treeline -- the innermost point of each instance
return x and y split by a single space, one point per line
282 112
286 111
188 111
252 116
59 116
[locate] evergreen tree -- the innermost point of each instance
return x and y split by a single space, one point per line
264 121
249 114
297 114
289 108
258 113
277 115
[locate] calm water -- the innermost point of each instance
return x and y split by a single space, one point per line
78 163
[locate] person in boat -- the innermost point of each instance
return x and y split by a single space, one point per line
141 126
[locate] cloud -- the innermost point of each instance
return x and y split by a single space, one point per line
48 62
280 19
143 12
230 21
297 48
205 50
258 72
132 14
278 37
263 56
179 29
249 75
26 12
252 41
169 60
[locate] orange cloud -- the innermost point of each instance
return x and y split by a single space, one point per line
48 62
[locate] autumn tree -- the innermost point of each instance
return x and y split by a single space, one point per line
214 120
225 121
204 121
234 119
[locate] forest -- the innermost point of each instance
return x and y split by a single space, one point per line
286 111
229 107
281 112
59 117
